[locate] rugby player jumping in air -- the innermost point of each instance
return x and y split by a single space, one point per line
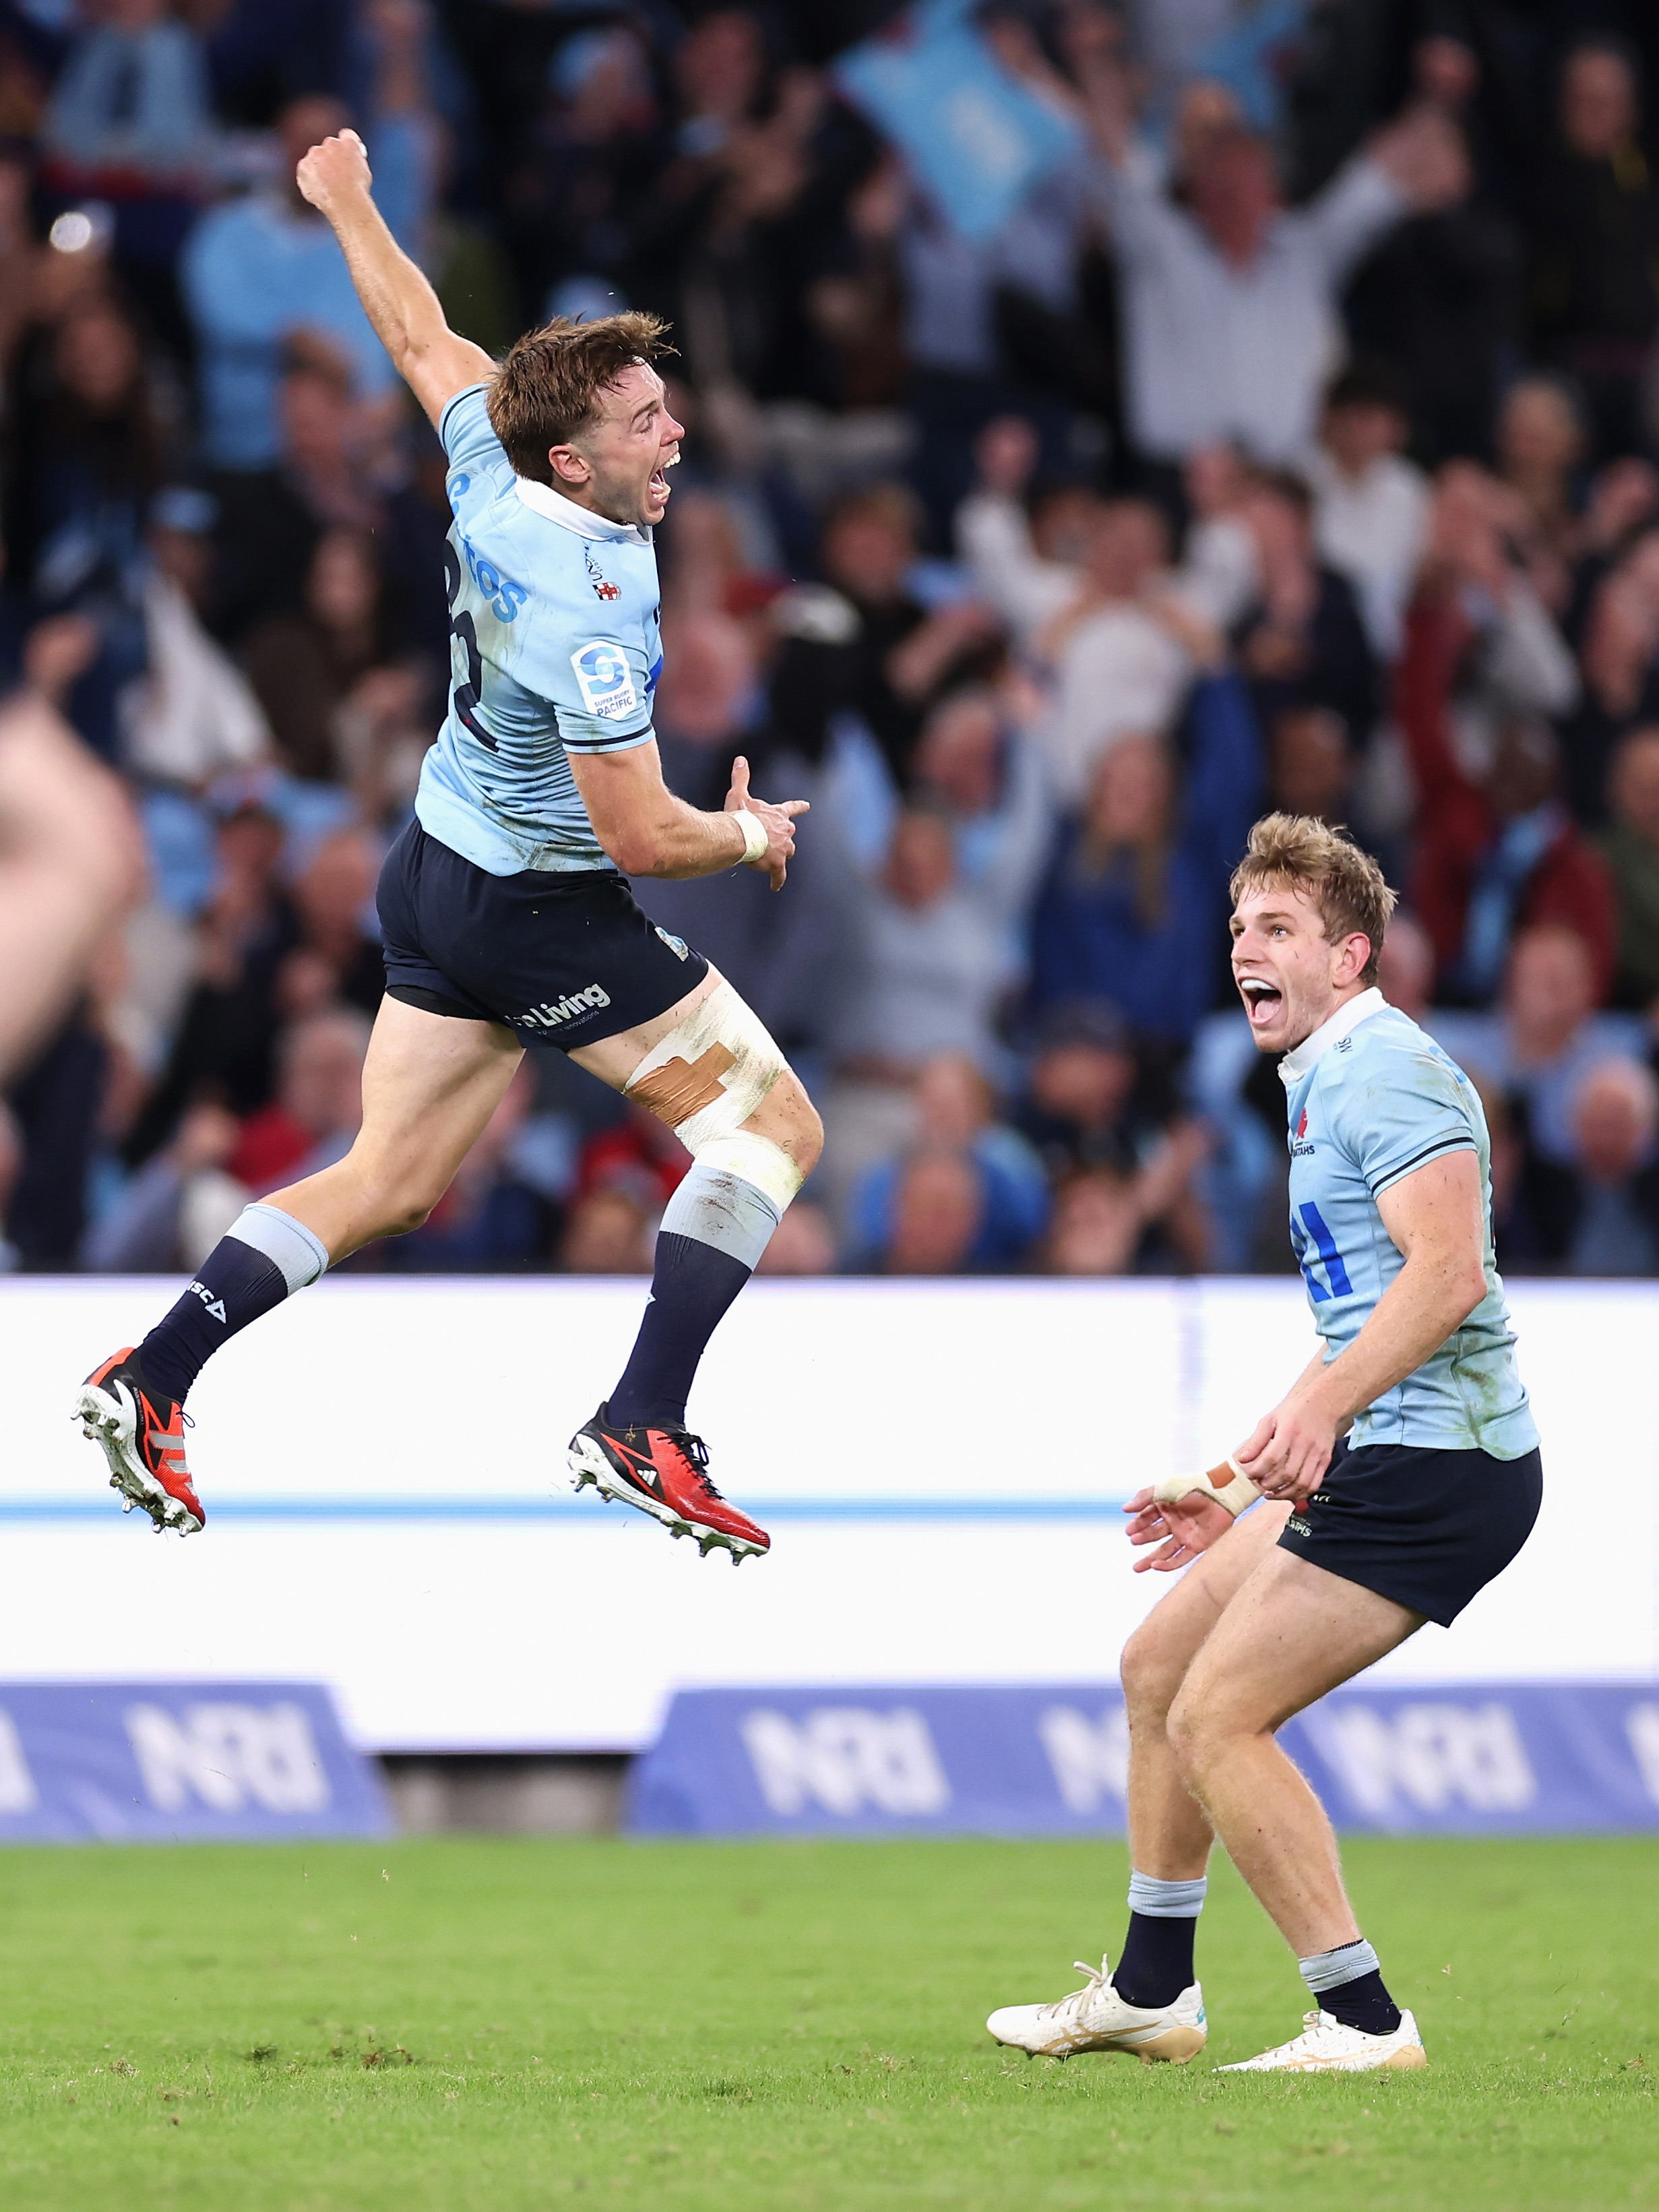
1351 1544
505 913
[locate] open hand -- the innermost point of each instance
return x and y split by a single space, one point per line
334 171
1425 156
779 823
1005 453
1182 1529
58 653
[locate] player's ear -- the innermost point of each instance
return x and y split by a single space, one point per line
567 466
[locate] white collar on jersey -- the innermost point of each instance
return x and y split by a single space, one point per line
582 520
1347 1017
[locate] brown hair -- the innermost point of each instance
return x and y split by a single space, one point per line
1298 853
548 388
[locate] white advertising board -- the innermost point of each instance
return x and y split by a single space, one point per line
940 1465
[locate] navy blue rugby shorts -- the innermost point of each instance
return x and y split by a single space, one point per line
1428 1528
561 960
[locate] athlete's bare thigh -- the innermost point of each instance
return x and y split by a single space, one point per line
613 1059
1289 1633
1177 1627
433 1081
430 1084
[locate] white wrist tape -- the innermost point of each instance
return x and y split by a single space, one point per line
1235 1495
755 839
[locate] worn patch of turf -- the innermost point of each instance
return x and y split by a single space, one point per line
439 2025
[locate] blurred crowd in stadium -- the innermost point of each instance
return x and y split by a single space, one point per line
1106 422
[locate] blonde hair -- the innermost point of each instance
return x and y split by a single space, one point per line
1299 852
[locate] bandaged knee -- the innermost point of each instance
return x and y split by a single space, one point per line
706 1079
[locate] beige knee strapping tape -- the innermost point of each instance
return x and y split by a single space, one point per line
1235 1495
708 1075
754 1160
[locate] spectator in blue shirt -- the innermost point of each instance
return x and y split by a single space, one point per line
133 96
130 127
262 272
1135 902
955 1117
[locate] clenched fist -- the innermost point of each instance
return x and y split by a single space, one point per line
336 170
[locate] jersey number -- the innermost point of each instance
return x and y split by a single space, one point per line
464 695
1336 1275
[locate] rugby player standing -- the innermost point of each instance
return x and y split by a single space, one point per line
507 917
1352 1545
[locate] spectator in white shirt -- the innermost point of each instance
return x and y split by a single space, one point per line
1026 557
1119 653
1220 573
192 715
1229 324
1370 505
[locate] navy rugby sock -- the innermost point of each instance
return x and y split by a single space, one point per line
1348 1984
1157 1962
713 1231
265 1256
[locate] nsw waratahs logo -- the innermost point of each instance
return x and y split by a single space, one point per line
1300 1146
601 588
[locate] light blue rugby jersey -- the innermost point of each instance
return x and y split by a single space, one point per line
1372 1097
555 648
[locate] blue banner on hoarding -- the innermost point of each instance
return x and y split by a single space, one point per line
1503 1759
165 1762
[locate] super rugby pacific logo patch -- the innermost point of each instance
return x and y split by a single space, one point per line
606 680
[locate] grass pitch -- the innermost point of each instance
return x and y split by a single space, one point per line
514 2026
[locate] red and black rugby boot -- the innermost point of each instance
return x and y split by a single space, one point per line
664 1472
142 1435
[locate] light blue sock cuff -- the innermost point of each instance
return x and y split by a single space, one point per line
719 1208
287 1242
1328 1970
1167 1901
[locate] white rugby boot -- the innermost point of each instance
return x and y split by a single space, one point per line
1326 2046
1095 2018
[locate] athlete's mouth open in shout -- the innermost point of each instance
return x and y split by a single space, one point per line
658 488
1262 999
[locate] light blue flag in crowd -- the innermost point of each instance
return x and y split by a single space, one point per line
1249 60
976 137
